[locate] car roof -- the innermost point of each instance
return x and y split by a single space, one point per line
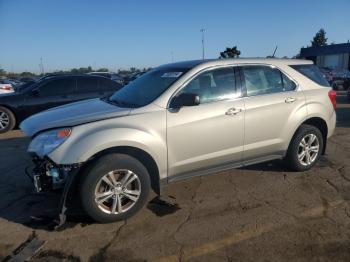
58 76
212 62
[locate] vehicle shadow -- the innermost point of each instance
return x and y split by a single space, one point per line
19 203
280 167
271 166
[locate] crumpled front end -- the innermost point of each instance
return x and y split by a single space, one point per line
47 176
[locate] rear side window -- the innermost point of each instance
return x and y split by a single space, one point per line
87 85
262 80
108 85
312 72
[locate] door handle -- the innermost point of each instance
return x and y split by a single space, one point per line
290 100
233 111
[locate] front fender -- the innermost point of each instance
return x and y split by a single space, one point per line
90 139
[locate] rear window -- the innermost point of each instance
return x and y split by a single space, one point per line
312 72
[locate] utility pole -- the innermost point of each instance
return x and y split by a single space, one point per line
41 65
202 31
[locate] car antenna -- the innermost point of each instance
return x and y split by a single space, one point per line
274 52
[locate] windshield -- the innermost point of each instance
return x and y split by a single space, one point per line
146 88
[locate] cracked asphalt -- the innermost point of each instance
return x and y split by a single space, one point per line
260 213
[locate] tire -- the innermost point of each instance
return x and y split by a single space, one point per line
295 151
94 182
7 120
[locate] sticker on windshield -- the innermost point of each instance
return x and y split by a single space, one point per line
172 74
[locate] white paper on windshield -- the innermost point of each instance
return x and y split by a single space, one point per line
172 74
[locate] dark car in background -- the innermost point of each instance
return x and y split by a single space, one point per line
132 77
339 79
113 76
50 91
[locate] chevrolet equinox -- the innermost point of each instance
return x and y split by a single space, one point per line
178 121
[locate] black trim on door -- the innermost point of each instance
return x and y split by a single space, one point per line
240 87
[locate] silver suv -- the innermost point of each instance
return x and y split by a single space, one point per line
178 121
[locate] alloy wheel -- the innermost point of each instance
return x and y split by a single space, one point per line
117 191
308 149
4 120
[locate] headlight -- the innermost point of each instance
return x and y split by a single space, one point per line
47 142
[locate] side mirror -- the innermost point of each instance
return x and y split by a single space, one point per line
184 100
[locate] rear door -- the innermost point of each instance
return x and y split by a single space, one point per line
272 104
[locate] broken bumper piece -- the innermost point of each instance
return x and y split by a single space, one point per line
48 176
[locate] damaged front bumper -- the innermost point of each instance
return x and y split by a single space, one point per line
48 176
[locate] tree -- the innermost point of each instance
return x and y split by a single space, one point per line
2 72
102 69
134 70
319 39
230 53
81 70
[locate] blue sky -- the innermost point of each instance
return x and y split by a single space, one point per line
119 34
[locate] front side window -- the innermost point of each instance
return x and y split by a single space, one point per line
58 87
214 85
261 80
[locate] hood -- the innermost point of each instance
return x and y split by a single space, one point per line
71 115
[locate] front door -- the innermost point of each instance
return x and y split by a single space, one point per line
209 135
51 93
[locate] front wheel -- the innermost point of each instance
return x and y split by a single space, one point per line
305 148
115 187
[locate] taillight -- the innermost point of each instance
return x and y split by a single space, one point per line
333 97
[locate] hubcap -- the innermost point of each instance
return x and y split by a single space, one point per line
308 149
4 120
117 191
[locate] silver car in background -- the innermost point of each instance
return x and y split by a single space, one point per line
178 121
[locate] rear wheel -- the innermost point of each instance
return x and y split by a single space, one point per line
7 120
115 188
305 148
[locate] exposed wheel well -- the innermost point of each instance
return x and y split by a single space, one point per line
321 125
140 155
